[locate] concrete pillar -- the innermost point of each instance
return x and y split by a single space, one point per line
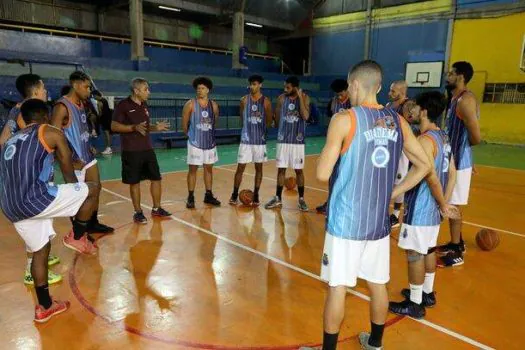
136 22
238 39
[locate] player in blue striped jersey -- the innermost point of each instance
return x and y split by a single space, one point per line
291 113
69 115
424 206
361 156
31 202
29 86
256 116
462 127
199 120
339 103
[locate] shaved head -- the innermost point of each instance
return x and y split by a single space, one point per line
364 81
398 91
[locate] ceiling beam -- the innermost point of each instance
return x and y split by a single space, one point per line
215 11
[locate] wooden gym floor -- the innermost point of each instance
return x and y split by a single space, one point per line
242 278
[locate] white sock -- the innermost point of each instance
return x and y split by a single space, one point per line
29 261
428 286
416 293
396 213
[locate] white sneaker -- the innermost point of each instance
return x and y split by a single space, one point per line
107 151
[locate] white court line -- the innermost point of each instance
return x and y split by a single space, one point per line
222 167
306 273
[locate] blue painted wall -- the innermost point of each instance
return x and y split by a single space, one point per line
334 53
118 54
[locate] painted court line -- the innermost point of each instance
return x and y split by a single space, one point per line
304 272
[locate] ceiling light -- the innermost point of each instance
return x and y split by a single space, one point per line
254 25
169 8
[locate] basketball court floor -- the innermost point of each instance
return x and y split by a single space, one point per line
243 278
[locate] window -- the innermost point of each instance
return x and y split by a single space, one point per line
511 93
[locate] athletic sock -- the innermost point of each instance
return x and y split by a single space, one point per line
416 293
428 285
42 294
330 341
376 335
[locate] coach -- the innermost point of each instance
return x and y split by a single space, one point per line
139 162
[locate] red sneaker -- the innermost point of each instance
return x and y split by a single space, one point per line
42 315
83 245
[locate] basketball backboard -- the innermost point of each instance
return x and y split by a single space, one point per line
424 74
522 60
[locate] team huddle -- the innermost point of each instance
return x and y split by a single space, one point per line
371 156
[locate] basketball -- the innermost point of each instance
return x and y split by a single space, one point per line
487 239
290 183
246 197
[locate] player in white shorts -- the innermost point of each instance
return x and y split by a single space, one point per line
31 202
291 113
462 127
424 205
256 116
199 119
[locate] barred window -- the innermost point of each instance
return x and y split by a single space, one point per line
511 93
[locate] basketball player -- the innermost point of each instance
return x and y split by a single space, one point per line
424 205
256 116
361 154
339 103
29 86
199 119
69 114
31 202
139 162
463 131
398 97
291 113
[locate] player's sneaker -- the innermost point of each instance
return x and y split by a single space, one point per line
83 245
429 299
322 208
53 260
51 278
234 199
97 227
160 213
190 203
42 315
139 218
394 221
275 202
452 259
407 308
302 205
451 247
256 202
211 200
363 340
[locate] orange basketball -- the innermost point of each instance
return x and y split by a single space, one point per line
487 239
290 183
246 197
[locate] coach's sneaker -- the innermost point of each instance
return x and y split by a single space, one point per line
42 315
160 213
429 299
452 259
211 200
83 245
190 202
52 260
394 221
139 218
363 340
275 202
451 247
51 278
302 205
97 227
407 308
322 208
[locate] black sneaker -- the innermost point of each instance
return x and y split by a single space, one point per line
139 218
211 200
233 199
322 208
98 227
407 308
394 221
429 300
190 203
454 258
160 213
256 201
451 247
